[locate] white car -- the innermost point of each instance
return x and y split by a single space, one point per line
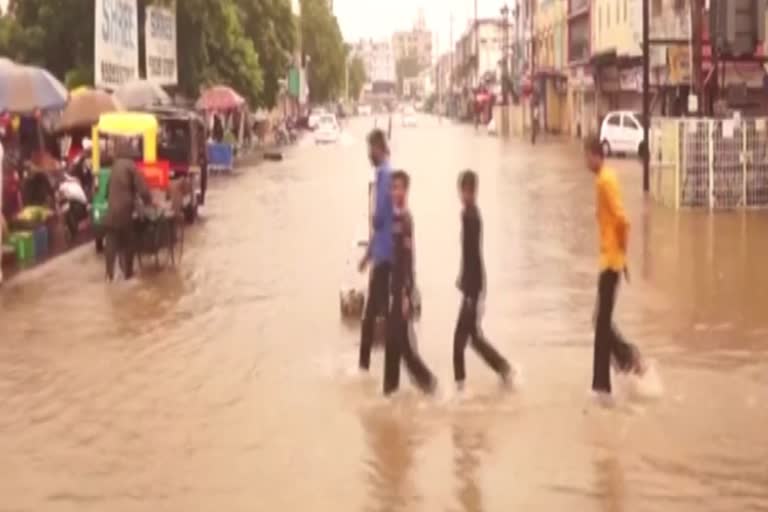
622 132
327 131
364 110
314 117
409 117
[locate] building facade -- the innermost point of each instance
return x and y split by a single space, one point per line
378 58
416 43
550 78
581 99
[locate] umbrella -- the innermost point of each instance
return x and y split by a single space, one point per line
141 94
85 106
29 88
220 97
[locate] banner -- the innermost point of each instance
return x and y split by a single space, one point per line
160 54
116 42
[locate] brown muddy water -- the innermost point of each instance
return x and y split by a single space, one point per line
228 384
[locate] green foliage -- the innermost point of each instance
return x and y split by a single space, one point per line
357 77
214 49
271 26
323 44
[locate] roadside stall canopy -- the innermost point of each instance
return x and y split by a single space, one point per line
220 98
85 108
141 94
25 89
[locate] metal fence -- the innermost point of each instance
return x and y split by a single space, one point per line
709 163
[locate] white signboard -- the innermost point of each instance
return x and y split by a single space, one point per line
160 54
116 42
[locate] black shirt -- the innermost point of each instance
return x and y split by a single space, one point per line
471 279
402 268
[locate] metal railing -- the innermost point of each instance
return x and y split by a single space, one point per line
709 163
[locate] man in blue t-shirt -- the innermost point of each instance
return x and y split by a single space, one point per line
379 247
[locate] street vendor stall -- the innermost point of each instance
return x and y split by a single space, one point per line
226 113
26 94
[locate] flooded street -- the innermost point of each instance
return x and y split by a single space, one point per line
228 385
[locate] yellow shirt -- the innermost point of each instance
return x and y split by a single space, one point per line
611 220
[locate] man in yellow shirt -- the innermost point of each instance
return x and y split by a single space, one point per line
613 230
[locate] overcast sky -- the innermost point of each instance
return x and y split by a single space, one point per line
379 18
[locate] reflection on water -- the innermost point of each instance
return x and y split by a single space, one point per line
209 388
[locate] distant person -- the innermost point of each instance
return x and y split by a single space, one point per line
471 283
614 232
401 340
126 184
379 250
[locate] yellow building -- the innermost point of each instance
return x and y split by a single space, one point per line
550 28
615 27
616 54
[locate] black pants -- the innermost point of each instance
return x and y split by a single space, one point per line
77 213
608 341
401 343
119 243
377 303
468 329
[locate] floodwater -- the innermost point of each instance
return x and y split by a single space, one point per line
228 384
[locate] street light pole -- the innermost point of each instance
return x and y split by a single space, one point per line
646 96
477 48
505 70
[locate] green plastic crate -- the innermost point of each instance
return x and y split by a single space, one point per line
24 243
100 201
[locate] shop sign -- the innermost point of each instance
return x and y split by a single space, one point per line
160 55
116 42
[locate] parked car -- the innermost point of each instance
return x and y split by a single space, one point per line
364 110
622 132
315 115
327 131
409 116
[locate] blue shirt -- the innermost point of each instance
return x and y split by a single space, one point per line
381 243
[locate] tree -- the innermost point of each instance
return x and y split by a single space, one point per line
214 49
323 44
271 26
357 77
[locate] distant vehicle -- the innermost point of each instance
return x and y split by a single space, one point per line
409 116
622 132
364 110
327 131
314 117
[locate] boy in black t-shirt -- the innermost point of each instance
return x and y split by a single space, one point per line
400 334
471 283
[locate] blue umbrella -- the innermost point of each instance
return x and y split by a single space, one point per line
28 88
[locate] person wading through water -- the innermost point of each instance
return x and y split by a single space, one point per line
380 245
126 184
613 227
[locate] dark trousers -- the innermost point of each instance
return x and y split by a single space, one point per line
468 329
401 343
377 303
608 341
119 243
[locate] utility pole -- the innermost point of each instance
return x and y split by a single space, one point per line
697 19
477 47
452 54
646 94
505 70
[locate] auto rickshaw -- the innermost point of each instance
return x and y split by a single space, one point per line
142 130
182 143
